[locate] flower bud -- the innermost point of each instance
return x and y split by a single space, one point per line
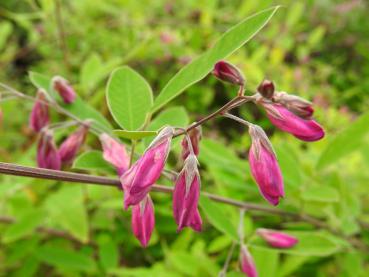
277 239
64 89
284 119
47 153
39 117
247 263
69 148
266 89
186 196
137 181
114 153
143 220
227 72
295 104
195 137
264 166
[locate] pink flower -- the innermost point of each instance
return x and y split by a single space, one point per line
137 181
114 153
143 220
186 196
295 104
195 137
227 72
69 148
47 153
39 117
277 239
264 166
247 263
304 129
64 89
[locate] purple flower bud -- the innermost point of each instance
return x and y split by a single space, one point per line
195 137
137 181
282 118
186 196
266 89
295 104
264 166
247 263
39 117
114 153
47 153
143 220
277 239
227 72
64 89
69 148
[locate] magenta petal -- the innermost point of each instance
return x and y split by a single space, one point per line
185 204
64 89
39 117
247 263
70 147
196 222
114 153
304 129
143 220
47 153
277 239
267 174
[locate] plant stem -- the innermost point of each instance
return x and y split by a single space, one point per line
133 146
61 33
223 272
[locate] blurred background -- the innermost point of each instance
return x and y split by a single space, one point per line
314 49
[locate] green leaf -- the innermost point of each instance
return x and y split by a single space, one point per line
320 194
66 207
345 142
78 108
91 72
310 244
23 227
266 261
217 218
92 160
174 116
134 135
64 258
129 98
229 42
108 252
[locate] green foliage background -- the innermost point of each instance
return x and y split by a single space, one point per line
315 49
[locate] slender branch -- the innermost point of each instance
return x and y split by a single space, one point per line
61 33
224 270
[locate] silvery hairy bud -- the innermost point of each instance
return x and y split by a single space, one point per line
227 72
266 89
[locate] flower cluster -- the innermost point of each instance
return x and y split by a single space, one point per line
48 155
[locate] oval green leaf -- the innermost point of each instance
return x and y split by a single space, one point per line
134 135
129 98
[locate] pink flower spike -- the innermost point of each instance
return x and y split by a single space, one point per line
227 72
39 117
114 153
195 137
47 153
69 148
143 220
277 239
264 166
304 129
64 89
247 263
137 181
186 196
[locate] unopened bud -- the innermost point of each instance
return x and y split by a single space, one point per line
39 117
69 148
64 89
47 153
299 106
194 137
227 72
266 89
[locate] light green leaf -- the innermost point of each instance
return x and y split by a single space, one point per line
345 142
66 207
174 116
91 72
134 135
39 80
92 160
321 194
229 42
67 259
129 98
266 261
218 218
310 244
23 227
108 252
